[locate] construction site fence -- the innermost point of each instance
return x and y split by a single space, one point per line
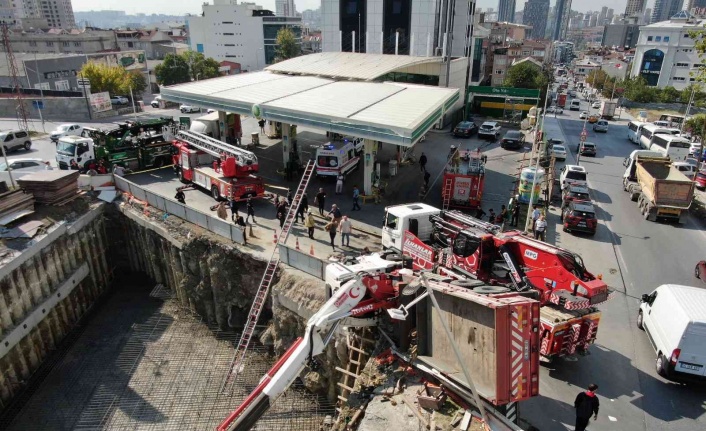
302 260
192 215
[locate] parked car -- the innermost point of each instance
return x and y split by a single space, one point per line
119 100
601 126
583 115
15 139
579 216
558 152
596 105
465 129
19 168
572 93
700 180
155 103
593 118
65 130
694 149
489 129
210 111
673 317
686 168
555 110
552 141
572 193
573 174
513 140
189 108
587 149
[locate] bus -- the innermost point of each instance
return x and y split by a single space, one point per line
674 147
673 120
650 130
634 129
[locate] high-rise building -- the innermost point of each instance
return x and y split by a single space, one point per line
506 10
593 20
609 15
647 16
536 14
696 4
665 9
57 13
602 15
561 19
285 8
635 8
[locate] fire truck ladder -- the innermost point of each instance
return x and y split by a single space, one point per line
469 221
265 282
448 189
215 147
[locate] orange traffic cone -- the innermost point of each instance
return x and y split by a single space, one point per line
311 249
297 245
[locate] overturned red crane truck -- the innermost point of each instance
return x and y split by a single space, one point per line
456 245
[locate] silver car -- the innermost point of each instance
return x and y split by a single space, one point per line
601 126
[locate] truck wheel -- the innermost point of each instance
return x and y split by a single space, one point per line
215 193
633 196
646 213
639 320
661 365
159 162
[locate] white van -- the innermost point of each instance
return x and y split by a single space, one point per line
336 158
674 319
575 105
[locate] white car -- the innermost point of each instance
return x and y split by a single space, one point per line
65 130
188 109
583 115
596 105
555 110
686 168
559 152
489 129
155 103
210 111
20 168
119 100
694 149
573 174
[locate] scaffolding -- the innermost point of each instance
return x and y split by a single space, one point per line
165 373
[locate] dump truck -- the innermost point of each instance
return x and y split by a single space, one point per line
660 189
561 100
608 109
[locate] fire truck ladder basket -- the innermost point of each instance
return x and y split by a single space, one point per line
265 282
215 147
448 189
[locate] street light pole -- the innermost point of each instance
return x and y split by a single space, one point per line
134 111
41 92
537 143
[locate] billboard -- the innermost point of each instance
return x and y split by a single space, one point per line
130 60
100 102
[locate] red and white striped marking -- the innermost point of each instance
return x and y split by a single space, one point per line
517 351
575 333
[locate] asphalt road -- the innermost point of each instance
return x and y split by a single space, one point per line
635 257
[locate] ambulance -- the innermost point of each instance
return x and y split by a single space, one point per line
336 158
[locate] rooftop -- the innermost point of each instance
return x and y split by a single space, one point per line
20 57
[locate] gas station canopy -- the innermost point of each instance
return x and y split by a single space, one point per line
391 112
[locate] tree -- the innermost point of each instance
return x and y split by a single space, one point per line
173 70
528 75
113 79
669 95
200 66
696 126
287 46
137 81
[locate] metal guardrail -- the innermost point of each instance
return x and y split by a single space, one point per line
302 261
206 221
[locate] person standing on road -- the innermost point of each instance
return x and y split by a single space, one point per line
251 211
480 213
335 214
540 228
310 223
491 216
427 175
302 209
233 204
356 196
535 216
320 200
423 163
281 213
515 214
331 227
339 184
221 211
261 123
290 198
346 227
586 404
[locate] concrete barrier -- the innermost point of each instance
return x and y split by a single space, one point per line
302 261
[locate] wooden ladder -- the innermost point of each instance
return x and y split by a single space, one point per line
265 283
358 355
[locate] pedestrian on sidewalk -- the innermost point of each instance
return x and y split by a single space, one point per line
233 204
261 123
356 196
540 228
586 404
331 227
346 227
320 200
515 214
535 216
339 184
310 223
423 162
251 211
221 211
335 214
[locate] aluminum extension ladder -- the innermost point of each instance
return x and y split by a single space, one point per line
215 147
264 288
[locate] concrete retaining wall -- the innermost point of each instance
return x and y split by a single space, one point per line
44 291
59 108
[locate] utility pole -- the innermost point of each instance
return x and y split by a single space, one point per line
539 134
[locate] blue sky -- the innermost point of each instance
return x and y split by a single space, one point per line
179 7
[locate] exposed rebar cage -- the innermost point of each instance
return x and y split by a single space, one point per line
165 374
14 74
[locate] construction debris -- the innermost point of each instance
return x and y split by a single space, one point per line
15 204
54 187
25 230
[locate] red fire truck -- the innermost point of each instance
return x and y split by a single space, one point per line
223 170
464 176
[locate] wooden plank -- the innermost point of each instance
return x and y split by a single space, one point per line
345 387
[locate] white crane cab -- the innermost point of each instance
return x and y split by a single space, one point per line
674 319
336 158
410 217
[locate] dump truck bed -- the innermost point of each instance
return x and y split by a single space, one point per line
664 185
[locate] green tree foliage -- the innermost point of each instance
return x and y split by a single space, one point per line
699 37
113 79
528 75
202 67
287 46
696 126
173 70
136 79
